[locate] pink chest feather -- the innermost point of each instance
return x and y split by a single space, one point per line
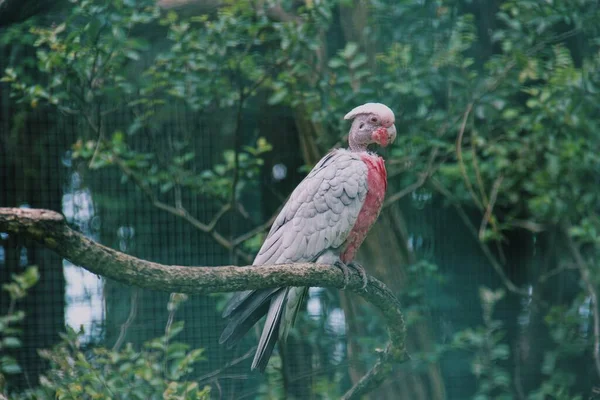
377 185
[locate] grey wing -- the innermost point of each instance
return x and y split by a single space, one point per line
320 212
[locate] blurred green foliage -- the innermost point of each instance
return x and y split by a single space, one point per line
486 343
9 323
161 369
527 111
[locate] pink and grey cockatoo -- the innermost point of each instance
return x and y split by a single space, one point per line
324 221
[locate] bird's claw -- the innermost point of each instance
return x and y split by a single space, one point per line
361 271
346 271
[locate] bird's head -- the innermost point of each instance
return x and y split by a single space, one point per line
373 123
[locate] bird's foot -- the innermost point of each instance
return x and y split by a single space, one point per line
361 271
346 270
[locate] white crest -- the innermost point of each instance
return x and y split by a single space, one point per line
379 109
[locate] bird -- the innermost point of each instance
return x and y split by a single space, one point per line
325 220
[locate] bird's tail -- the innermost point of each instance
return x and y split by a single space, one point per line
246 308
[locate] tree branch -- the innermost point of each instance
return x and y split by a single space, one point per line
237 142
459 156
182 212
490 206
420 182
51 230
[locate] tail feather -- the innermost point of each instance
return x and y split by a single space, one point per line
235 301
245 315
295 298
270 331
246 308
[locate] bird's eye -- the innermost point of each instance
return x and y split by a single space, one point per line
374 119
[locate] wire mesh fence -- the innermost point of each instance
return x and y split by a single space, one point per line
425 247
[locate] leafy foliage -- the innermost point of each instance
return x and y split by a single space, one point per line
9 330
497 118
494 380
147 171
161 370
84 57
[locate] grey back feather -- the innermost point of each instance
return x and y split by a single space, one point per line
320 212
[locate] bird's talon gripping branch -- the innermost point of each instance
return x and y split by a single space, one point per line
345 270
361 271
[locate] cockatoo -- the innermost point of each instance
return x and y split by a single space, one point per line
324 221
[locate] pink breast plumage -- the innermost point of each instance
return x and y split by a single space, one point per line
376 187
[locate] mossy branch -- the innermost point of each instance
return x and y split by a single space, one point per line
50 229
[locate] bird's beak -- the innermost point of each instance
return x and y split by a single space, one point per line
391 134
384 136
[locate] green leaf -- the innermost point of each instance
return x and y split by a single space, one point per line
349 51
165 187
11 342
336 62
358 61
9 365
278 97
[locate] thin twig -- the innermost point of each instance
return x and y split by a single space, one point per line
177 193
97 128
459 156
236 147
182 212
11 307
259 229
531 226
420 182
484 248
242 210
407 190
68 110
94 69
128 321
112 110
544 277
267 75
170 319
490 206
99 133
213 223
478 177
210 375
237 138
277 13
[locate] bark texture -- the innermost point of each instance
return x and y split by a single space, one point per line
50 229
